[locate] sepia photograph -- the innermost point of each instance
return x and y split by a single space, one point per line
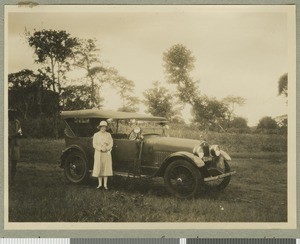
150 116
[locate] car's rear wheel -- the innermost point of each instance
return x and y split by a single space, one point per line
75 167
182 179
219 184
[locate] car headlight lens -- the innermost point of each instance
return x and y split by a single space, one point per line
215 150
137 130
198 151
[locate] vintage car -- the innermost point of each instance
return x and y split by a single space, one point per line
142 148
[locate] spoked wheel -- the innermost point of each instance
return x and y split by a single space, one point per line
75 167
182 179
220 184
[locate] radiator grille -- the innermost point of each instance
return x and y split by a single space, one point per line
159 157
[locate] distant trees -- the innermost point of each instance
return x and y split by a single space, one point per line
178 63
86 56
53 49
238 124
50 89
28 93
58 52
125 88
77 97
231 101
160 102
267 123
23 90
283 85
282 121
208 113
130 104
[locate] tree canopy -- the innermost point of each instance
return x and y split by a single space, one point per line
178 63
28 93
160 102
77 97
86 56
267 123
283 85
208 112
53 48
231 101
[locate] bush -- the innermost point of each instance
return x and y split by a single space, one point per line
267 123
235 142
239 130
42 127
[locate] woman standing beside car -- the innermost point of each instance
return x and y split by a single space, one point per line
102 143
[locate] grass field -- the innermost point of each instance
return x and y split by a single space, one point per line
257 193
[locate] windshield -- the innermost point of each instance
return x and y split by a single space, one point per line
86 127
147 127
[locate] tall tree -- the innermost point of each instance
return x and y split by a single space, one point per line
178 63
28 93
238 124
160 102
130 104
231 101
53 48
267 123
208 113
87 57
22 91
125 88
77 97
283 85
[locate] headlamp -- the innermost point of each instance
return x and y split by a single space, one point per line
198 151
137 130
215 150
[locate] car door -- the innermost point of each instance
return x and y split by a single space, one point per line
125 154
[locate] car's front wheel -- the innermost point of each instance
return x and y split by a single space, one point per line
75 167
182 179
219 184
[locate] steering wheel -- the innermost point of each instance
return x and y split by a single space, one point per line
134 134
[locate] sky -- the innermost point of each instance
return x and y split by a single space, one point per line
240 51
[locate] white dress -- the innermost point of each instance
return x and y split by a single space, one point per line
102 142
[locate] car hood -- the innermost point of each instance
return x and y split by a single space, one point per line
171 144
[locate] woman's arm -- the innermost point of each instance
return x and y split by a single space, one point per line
95 143
109 144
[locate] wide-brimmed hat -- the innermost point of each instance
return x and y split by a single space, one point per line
102 123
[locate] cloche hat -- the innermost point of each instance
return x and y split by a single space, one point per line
102 123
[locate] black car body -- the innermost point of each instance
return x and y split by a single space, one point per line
186 165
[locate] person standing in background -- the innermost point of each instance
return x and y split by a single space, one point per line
14 133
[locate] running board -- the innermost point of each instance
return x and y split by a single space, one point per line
130 175
219 176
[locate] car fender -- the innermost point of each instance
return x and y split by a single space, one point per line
225 155
67 150
190 157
